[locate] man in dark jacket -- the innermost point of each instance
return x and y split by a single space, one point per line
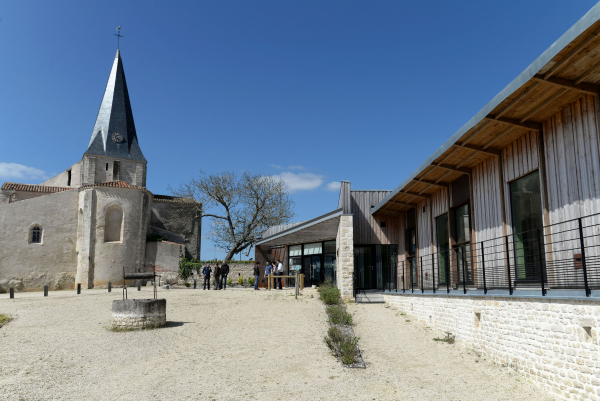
217 274
206 272
256 274
224 273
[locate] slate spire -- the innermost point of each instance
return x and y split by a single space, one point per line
114 132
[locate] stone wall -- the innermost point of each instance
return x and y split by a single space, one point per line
29 266
165 256
554 343
345 257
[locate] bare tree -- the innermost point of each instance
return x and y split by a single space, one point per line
241 208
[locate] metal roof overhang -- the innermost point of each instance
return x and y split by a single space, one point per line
566 71
322 228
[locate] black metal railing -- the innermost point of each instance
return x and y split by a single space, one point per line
560 256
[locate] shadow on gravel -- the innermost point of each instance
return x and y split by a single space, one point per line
175 324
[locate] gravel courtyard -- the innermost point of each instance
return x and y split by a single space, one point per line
231 345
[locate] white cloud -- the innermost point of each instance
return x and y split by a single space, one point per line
296 168
10 171
300 181
276 166
333 186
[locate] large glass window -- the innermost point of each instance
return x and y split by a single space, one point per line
463 246
443 247
313 249
527 217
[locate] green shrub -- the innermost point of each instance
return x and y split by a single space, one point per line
229 281
186 268
330 295
339 315
187 284
348 348
241 280
251 281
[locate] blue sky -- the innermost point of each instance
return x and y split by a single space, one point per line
314 91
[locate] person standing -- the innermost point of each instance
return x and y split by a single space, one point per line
217 274
224 273
268 272
279 272
206 272
256 275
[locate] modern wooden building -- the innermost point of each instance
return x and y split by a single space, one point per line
313 246
511 200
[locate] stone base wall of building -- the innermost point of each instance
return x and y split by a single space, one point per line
345 257
554 343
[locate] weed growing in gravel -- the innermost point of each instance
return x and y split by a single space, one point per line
339 315
448 339
5 319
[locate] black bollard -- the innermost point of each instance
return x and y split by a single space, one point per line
12 293
139 286
45 290
79 288
194 283
109 286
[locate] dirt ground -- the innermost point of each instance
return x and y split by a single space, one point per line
231 345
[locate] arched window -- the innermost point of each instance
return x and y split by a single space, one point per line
36 235
114 223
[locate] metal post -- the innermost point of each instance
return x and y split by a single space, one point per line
588 292
403 278
539 241
433 271
109 286
510 289
78 288
45 290
483 268
12 293
448 272
422 285
464 270
412 283
139 283
194 283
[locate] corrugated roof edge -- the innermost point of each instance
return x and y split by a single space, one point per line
579 27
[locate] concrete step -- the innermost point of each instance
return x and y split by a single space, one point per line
369 298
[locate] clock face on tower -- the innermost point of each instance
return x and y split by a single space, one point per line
117 138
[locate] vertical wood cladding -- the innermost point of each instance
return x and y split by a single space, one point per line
573 161
518 159
367 229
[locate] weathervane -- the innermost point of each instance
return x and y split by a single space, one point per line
119 36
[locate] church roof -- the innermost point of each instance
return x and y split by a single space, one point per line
114 132
33 188
116 184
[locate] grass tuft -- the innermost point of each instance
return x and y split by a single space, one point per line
450 338
5 319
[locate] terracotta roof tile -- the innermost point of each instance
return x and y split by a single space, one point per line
116 184
33 188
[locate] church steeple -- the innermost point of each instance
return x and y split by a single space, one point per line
114 132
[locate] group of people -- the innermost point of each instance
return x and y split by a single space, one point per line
220 273
275 268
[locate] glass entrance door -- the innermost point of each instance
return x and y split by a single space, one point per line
363 267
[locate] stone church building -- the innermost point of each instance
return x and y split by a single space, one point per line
92 220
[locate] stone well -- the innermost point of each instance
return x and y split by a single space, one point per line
139 313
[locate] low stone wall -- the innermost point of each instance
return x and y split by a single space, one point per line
139 313
554 343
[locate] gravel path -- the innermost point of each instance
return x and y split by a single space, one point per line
230 345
